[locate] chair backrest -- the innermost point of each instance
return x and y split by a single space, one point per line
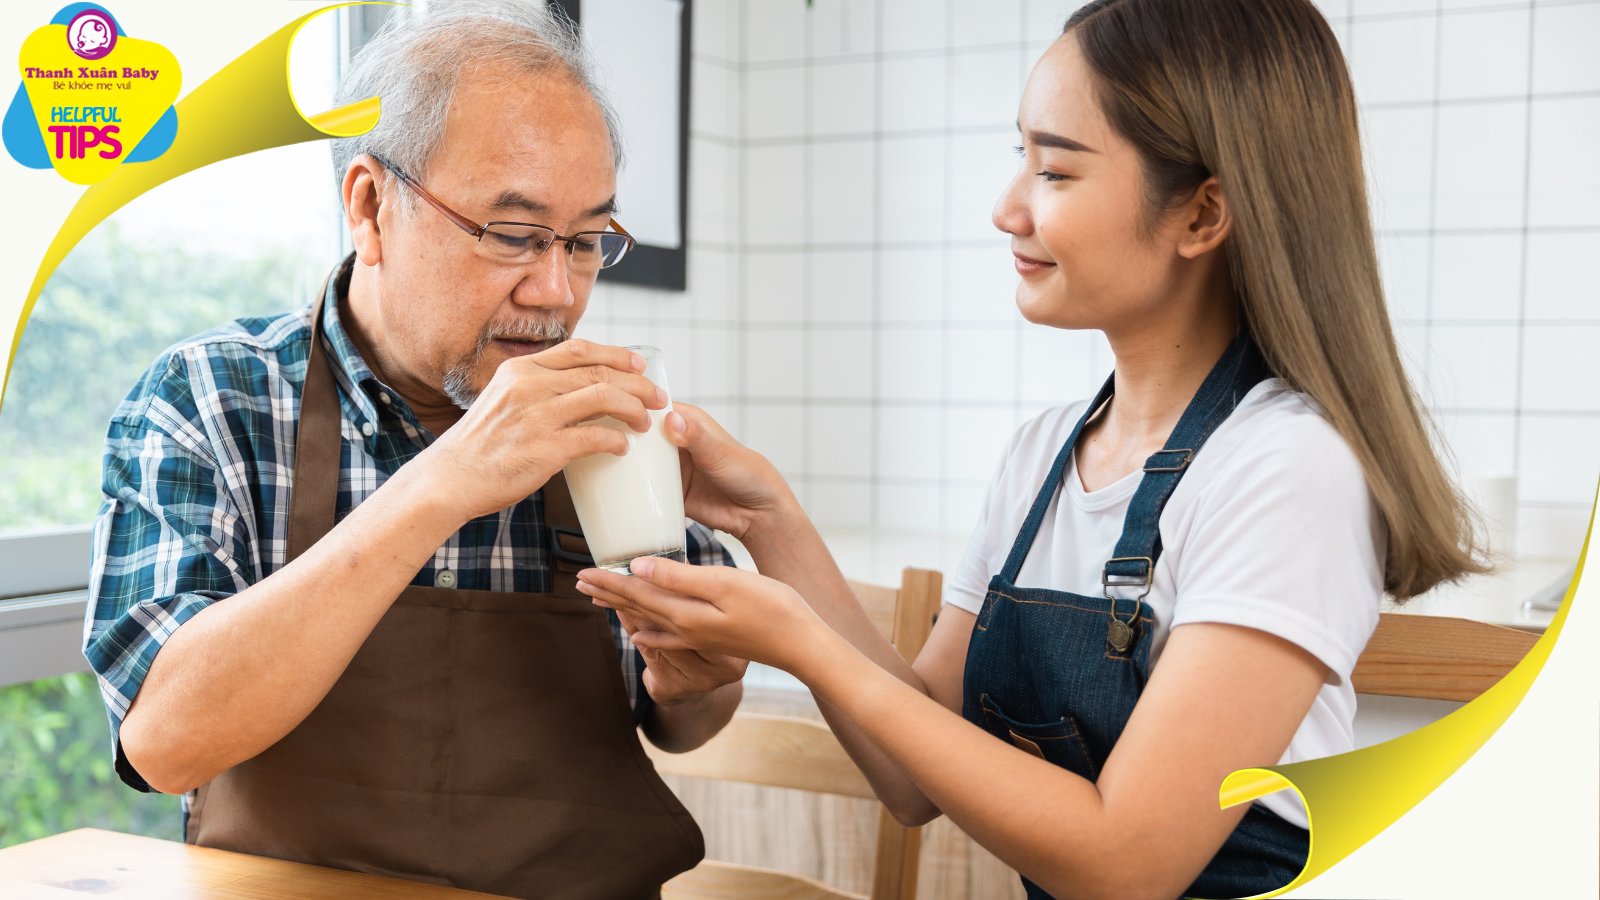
802 754
1437 657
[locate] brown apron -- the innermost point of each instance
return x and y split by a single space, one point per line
480 739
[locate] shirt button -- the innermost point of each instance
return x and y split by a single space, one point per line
367 429
383 397
445 579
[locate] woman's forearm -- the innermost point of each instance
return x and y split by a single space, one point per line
788 547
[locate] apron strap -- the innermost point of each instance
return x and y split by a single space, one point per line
569 552
314 489
1240 369
1052 482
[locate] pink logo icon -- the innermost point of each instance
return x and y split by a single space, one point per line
91 34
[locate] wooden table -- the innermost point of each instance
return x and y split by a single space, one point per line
90 863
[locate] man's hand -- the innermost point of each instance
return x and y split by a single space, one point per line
533 418
675 676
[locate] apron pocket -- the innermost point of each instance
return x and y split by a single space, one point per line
1057 743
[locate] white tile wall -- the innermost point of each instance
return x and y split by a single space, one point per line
843 207
1563 48
985 86
840 364
841 287
1399 149
1465 71
989 22
850 308
1561 278
844 98
1564 184
1477 276
1480 165
1393 59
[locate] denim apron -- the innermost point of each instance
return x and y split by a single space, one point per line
1057 674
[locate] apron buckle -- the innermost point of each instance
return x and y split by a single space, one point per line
1135 571
1158 461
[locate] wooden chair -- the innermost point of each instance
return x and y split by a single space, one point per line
801 754
1437 657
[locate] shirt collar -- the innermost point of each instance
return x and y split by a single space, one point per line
360 388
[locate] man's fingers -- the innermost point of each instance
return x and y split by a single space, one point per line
587 440
602 399
660 640
639 386
577 353
634 623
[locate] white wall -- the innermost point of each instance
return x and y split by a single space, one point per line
850 310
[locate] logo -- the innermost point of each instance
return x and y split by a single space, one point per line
92 97
92 34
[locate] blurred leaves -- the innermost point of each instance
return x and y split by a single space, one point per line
115 304
55 767
103 318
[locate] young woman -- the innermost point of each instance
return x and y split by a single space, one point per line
1174 579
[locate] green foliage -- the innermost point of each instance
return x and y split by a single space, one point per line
55 767
105 315
102 319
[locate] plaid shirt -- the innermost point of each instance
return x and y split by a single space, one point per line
196 488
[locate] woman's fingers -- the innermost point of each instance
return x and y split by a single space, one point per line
713 584
640 596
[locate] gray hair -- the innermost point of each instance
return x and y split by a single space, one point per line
415 61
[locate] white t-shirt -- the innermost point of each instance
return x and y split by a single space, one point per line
1272 528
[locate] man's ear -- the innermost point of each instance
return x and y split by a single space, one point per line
1207 219
362 203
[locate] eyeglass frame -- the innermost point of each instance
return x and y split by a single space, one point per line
479 230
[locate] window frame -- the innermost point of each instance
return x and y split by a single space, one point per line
44 580
44 572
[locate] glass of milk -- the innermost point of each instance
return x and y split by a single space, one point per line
632 506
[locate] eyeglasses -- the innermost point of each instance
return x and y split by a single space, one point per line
524 242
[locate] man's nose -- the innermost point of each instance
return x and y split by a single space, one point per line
547 281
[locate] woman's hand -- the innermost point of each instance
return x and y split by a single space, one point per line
726 485
711 609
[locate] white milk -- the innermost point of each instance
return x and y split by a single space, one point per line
630 505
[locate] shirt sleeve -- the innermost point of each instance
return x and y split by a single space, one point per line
703 549
1288 541
168 542
991 538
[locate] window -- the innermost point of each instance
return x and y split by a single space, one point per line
249 236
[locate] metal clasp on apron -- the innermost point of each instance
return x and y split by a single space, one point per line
1119 634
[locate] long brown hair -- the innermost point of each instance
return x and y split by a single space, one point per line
1256 93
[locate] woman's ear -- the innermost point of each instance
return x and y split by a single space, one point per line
1206 219
362 204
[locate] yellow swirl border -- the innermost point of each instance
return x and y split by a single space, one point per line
1352 797
245 107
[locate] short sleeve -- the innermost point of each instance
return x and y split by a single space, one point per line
1287 540
991 539
168 542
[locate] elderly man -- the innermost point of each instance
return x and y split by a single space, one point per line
333 592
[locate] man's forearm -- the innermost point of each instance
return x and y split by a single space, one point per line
244 672
682 726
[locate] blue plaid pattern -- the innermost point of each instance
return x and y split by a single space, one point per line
196 485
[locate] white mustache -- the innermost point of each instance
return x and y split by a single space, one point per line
550 329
